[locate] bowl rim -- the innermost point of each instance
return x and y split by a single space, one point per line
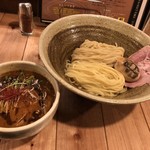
74 89
54 23
51 110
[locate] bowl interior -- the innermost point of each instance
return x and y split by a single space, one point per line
62 43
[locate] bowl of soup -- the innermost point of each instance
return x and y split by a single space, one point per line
29 98
98 57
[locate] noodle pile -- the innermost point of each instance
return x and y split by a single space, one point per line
99 52
91 69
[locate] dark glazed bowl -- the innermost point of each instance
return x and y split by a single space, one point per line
61 37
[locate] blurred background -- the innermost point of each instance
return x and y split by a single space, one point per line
135 12
11 6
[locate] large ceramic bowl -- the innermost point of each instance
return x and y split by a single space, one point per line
35 127
61 37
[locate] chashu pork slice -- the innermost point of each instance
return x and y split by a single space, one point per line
142 59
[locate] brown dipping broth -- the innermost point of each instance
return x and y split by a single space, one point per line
24 98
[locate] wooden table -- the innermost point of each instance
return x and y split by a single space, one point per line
79 124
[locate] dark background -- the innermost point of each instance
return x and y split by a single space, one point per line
11 6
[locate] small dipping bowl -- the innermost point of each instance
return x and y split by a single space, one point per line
35 127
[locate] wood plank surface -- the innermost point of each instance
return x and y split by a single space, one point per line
79 124
46 139
126 128
146 110
31 51
12 43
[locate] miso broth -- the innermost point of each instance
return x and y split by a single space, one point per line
24 98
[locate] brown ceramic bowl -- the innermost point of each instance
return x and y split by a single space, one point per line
61 37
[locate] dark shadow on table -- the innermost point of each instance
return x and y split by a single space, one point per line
14 25
78 111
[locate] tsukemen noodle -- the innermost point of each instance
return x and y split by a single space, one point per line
24 98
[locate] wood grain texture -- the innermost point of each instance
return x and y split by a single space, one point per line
16 44
31 51
12 43
46 139
126 124
146 110
79 124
